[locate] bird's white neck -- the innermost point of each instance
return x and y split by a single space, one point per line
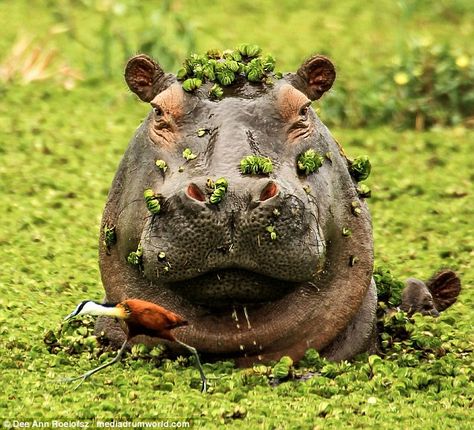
92 308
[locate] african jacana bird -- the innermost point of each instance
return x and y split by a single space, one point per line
137 317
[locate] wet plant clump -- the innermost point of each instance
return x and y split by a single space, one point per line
152 201
360 168
225 67
309 162
219 188
255 165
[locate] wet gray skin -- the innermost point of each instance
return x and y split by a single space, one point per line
417 298
246 295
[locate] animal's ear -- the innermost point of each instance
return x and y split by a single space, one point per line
317 75
144 77
445 287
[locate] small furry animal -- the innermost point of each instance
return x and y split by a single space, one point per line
438 294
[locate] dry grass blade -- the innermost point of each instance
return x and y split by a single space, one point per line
30 61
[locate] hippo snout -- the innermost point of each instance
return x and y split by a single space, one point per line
257 229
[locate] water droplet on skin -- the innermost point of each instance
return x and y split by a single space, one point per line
247 318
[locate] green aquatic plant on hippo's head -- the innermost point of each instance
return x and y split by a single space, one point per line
309 162
272 231
364 191
223 68
161 164
256 165
220 189
191 84
188 154
135 257
110 236
152 201
360 168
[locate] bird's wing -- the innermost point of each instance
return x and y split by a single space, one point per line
153 316
169 319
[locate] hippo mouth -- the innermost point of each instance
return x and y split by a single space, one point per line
242 314
220 289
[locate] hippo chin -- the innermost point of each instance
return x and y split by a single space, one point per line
276 263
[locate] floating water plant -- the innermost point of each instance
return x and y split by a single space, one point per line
110 237
202 131
223 68
255 165
360 168
309 161
220 189
346 231
191 84
161 164
364 191
135 257
152 201
355 208
216 92
188 154
248 50
272 231
281 370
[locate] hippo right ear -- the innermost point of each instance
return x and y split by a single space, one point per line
445 287
315 76
144 77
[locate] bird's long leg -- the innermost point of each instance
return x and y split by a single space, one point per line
201 371
97 369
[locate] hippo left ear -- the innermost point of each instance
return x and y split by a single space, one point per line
144 77
316 76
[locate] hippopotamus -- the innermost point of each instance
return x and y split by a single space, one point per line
234 207
430 298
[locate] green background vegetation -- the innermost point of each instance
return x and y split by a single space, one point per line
404 74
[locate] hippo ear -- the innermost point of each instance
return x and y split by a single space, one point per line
316 75
144 77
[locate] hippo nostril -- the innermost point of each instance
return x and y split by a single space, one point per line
270 190
195 193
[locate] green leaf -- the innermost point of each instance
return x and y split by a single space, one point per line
188 154
309 162
360 168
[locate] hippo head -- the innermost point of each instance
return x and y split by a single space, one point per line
251 228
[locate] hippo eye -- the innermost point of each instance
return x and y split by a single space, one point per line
158 111
303 112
